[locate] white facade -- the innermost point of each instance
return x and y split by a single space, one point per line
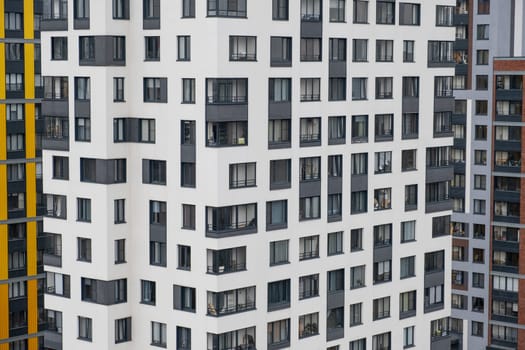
210 59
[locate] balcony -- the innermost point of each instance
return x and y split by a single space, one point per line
231 221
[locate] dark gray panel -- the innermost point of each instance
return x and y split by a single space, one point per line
438 206
15 127
439 174
335 333
163 90
52 260
513 247
311 29
58 145
14 66
460 19
335 185
337 69
177 298
410 105
55 108
359 183
512 95
461 69
157 233
187 153
81 23
53 25
506 196
382 254
441 343
151 23
434 278
226 113
82 108
145 171
53 340
443 104
335 299
280 110
310 188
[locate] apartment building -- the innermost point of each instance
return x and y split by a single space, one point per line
21 240
487 157
248 174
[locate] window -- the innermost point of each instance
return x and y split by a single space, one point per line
408 337
188 217
280 51
384 88
309 208
13 20
122 330
382 271
477 329
227 8
276 214
188 8
280 173
158 334
118 89
310 168
479 231
278 295
410 197
119 211
483 31
359 202
183 298
60 168
478 280
361 11
385 12
359 89
480 157
279 252
155 90
280 10
154 171
120 9
243 48
481 107
308 247
59 48
183 52
335 243
334 207
355 314
147 290
444 16
384 50
357 277
14 82
381 308
152 48
360 50
384 127
184 257
359 128
509 284
336 129
84 209
242 175
84 249
243 338
83 129
280 89
440 52
120 251
308 325
279 131
408 50
151 9
410 126
482 57
407 304
310 89
310 130
408 231
81 9
188 90
383 162
483 7
279 332
308 286
336 280
85 328
14 51
337 10
337 89
183 338
434 261
359 163
14 111
407 267
356 239
409 14
434 296
15 172
482 82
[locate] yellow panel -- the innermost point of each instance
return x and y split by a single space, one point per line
3 253
2 63
33 343
31 248
29 19
32 307
29 70
2 31
4 312
30 189
3 190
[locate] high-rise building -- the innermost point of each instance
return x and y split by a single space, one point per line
21 240
487 170
248 174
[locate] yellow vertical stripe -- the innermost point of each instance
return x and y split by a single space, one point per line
29 26
2 68
31 248
29 71
2 28
4 294
32 312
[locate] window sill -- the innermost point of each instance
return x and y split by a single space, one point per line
335 254
120 262
408 241
85 339
279 263
147 303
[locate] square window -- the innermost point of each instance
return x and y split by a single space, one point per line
279 252
361 11
276 214
335 243
409 14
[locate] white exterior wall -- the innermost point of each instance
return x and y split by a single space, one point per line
209 59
